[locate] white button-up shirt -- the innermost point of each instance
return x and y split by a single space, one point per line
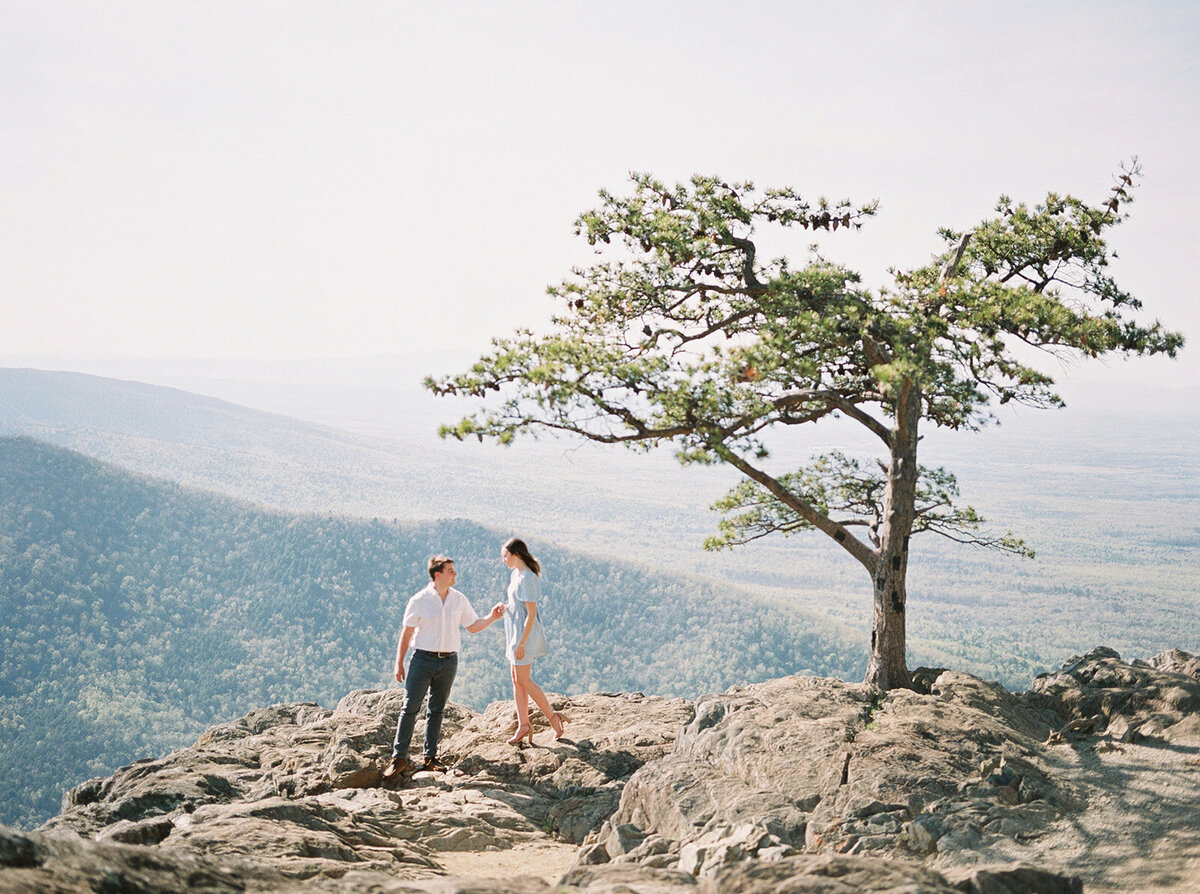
438 622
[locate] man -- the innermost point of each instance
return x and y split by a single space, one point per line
431 621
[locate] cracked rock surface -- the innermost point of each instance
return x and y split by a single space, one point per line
798 784
295 787
960 777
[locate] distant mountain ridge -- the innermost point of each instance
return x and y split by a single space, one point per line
191 438
299 466
137 612
1109 503
54 400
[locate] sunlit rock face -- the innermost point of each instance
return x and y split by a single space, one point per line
802 783
294 789
1089 774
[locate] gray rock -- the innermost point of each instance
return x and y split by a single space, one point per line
1012 880
592 854
833 874
1177 661
151 831
45 864
797 784
626 878
575 816
959 838
923 834
654 846
1099 693
623 839
18 851
819 874
692 856
291 787
725 844
824 766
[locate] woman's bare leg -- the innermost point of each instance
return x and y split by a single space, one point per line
521 695
523 674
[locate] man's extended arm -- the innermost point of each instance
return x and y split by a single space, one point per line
483 623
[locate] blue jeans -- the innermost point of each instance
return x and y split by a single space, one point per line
426 674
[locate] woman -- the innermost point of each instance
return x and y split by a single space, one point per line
524 638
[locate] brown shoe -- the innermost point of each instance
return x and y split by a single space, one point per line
432 763
397 770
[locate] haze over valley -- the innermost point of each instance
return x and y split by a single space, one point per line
1108 500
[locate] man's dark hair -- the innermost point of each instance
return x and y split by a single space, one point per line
437 563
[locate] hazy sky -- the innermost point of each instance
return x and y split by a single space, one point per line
313 180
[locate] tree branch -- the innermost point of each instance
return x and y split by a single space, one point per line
952 264
859 550
749 252
1000 544
872 424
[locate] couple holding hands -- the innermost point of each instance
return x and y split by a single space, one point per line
432 620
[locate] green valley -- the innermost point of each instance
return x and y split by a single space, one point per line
135 613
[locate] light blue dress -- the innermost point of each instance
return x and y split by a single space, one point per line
523 586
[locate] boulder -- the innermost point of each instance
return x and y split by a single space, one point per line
798 784
828 767
1099 694
293 788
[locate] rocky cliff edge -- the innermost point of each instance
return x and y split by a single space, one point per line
1088 781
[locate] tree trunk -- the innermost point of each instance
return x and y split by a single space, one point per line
887 667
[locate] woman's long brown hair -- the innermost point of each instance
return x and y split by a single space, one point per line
518 548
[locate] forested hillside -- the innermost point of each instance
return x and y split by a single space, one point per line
1107 497
136 613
